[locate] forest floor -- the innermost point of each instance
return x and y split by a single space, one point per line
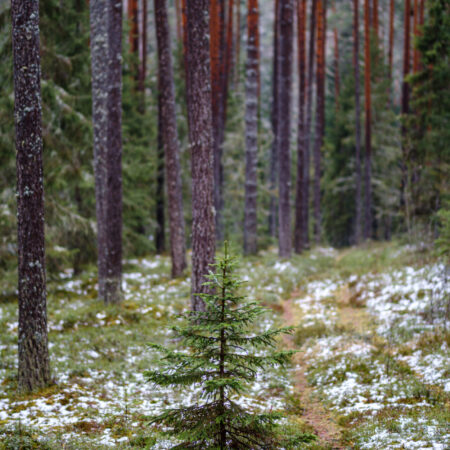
372 369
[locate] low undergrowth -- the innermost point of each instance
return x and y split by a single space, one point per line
373 329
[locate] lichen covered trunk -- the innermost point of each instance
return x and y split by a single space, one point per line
170 139
113 209
201 142
251 129
99 60
34 367
285 44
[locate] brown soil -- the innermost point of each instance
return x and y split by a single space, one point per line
314 414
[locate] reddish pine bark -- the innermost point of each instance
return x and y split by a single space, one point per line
113 207
309 103
34 367
170 139
201 141
416 24
337 87
133 36
251 129
217 41
320 114
368 119
238 44
143 67
300 204
375 20
228 60
285 44
179 20
358 206
273 169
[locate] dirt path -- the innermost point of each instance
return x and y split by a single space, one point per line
314 413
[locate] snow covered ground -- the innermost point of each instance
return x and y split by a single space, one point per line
375 345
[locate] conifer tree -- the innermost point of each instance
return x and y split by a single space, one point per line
358 206
273 165
198 82
301 203
170 139
225 358
284 69
34 368
308 115
251 129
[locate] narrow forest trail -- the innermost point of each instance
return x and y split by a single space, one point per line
314 412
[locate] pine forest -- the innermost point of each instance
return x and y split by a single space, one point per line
224 224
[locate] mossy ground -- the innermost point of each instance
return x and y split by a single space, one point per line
99 353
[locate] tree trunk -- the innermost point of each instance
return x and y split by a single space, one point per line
170 139
251 129
320 114
217 53
201 141
337 84
160 231
300 204
285 44
391 49
99 60
273 167
310 89
368 119
416 55
358 208
113 208
375 21
405 101
228 61
133 36
34 367
237 66
143 68
179 20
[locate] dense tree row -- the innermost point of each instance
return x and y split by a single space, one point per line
135 117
